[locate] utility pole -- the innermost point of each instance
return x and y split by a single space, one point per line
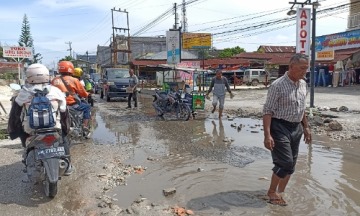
115 42
176 25
87 62
70 49
184 22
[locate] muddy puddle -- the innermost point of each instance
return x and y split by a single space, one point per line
221 167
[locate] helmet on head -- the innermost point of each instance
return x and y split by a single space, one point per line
78 72
37 73
66 67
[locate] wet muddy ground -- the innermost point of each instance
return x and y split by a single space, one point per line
218 167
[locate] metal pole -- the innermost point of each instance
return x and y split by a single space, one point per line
312 75
129 39
114 45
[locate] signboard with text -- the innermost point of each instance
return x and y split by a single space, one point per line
325 55
196 40
303 18
337 41
173 47
18 52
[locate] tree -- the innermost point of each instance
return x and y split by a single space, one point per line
26 39
230 52
67 58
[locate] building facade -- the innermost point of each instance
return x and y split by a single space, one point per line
354 15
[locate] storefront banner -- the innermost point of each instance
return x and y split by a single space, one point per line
342 40
18 52
303 18
189 64
325 55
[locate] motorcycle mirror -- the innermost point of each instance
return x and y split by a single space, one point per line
15 86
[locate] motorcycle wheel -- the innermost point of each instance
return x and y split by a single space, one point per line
184 112
50 189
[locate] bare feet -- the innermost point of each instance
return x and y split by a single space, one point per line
213 110
276 199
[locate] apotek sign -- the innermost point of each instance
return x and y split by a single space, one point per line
17 52
303 30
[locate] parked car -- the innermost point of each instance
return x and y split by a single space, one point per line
114 83
257 76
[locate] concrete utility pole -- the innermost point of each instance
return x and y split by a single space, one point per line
87 62
115 49
70 49
184 22
176 25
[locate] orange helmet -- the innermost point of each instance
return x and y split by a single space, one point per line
66 67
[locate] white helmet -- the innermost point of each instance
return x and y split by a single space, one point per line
37 73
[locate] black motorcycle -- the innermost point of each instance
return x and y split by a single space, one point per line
171 103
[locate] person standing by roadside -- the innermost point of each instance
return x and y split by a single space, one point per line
219 83
133 82
284 123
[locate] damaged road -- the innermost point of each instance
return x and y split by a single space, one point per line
205 166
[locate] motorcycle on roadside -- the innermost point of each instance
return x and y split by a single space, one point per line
171 103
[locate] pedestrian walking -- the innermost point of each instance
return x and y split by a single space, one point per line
133 82
219 83
284 123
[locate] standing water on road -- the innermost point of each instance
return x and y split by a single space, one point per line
222 167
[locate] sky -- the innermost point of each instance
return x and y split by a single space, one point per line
87 23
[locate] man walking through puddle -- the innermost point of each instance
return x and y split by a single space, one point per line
284 122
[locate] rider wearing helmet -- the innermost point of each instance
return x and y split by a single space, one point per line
78 73
72 87
89 83
38 78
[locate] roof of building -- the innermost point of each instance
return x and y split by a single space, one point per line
277 49
92 58
163 55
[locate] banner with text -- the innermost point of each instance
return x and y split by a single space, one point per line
337 41
173 47
18 52
325 55
303 18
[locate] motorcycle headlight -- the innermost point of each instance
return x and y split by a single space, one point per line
182 95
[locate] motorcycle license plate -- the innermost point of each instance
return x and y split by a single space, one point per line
50 152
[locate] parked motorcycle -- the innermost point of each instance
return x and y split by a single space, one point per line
171 103
45 159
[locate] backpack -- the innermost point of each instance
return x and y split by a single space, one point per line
88 85
40 112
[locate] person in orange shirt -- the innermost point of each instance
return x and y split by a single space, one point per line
72 87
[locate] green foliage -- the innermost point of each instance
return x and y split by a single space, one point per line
26 40
230 52
67 58
8 76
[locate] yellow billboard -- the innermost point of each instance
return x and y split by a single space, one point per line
196 40
325 55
